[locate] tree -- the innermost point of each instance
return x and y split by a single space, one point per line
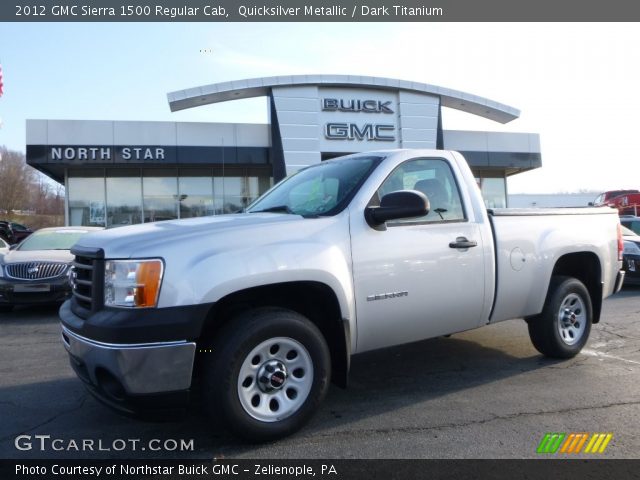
16 180
24 188
46 198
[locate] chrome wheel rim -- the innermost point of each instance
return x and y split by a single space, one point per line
572 319
275 379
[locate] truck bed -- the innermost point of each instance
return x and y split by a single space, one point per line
529 242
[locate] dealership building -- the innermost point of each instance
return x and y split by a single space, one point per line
124 172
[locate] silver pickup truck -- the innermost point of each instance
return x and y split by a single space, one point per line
264 308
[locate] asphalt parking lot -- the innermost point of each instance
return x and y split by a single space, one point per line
480 394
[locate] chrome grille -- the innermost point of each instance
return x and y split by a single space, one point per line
82 281
36 270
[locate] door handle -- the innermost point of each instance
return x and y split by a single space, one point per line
463 242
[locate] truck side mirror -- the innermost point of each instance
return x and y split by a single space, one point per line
396 205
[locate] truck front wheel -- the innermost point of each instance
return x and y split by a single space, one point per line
563 327
269 371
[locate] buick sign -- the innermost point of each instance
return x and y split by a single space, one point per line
369 106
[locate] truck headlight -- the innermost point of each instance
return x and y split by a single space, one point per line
631 248
132 283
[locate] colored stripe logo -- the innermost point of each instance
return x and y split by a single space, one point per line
571 443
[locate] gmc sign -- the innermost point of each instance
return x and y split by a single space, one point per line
351 131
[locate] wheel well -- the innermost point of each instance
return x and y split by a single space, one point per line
315 300
585 266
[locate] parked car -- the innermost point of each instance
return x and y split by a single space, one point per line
605 197
349 255
6 233
37 269
631 256
626 204
631 222
13 232
4 247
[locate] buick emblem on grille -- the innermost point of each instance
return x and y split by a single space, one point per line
35 270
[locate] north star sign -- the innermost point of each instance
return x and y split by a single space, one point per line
383 132
101 154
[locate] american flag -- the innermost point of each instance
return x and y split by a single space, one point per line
1 84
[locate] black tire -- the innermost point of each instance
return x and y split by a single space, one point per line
563 327
6 308
245 347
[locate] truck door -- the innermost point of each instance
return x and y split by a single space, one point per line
421 277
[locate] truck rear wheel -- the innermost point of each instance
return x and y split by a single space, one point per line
563 327
270 370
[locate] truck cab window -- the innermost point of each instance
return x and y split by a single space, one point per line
434 178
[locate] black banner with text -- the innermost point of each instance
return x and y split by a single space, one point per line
321 469
317 11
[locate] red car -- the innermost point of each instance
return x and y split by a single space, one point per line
605 197
627 204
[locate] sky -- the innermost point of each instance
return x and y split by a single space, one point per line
575 84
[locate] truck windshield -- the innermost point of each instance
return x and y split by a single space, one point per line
323 189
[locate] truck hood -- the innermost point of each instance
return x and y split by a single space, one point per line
225 232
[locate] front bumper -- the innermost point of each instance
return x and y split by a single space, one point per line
631 266
32 292
129 377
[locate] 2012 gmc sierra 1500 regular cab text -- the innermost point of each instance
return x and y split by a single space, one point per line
264 308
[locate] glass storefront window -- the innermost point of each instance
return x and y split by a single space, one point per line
253 189
234 194
160 200
128 196
86 201
124 197
196 196
228 194
218 196
494 191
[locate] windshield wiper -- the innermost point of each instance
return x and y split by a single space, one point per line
277 208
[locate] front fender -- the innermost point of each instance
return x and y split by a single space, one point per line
209 268
304 262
